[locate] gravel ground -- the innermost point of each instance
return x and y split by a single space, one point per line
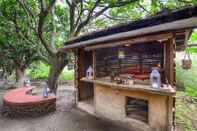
66 118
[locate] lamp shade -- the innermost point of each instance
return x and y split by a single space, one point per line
121 54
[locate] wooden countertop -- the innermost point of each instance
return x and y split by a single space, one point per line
168 90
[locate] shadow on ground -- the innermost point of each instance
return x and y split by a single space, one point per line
66 118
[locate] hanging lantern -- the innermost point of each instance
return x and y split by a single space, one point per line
89 73
155 78
121 54
186 61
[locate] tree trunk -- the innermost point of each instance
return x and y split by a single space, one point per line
20 77
57 65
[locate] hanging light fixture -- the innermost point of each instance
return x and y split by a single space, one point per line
121 53
127 45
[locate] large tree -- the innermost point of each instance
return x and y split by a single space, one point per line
55 22
16 56
17 51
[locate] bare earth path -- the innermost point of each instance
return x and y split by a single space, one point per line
66 118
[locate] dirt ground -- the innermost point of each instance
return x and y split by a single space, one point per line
66 118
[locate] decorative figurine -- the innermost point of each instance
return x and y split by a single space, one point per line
89 73
45 90
27 83
155 78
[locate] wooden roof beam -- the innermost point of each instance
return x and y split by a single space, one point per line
141 39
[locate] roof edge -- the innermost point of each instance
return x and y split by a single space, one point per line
175 25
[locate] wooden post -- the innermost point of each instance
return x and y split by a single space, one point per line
174 67
80 70
76 69
173 99
94 63
169 61
94 75
170 74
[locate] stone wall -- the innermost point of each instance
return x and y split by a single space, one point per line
32 110
110 104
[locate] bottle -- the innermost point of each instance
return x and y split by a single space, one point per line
155 79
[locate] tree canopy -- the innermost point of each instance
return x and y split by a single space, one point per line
17 52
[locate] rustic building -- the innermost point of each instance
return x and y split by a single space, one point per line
123 59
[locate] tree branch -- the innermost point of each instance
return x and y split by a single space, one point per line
19 32
72 16
142 7
27 10
104 8
79 14
68 2
97 14
186 1
53 33
113 18
122 3
86 21
30 15
43 14
43 58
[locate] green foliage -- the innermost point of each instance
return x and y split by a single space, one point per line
191 91
40 70
185 112
17 52
193 36
193 40
188 78
186 101
67 75
137 10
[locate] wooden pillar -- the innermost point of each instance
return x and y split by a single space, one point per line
170 73
80 70
174 57
170 62
94 75
94 63
173 99
76 74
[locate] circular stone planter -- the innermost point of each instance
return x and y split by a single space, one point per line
19 103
